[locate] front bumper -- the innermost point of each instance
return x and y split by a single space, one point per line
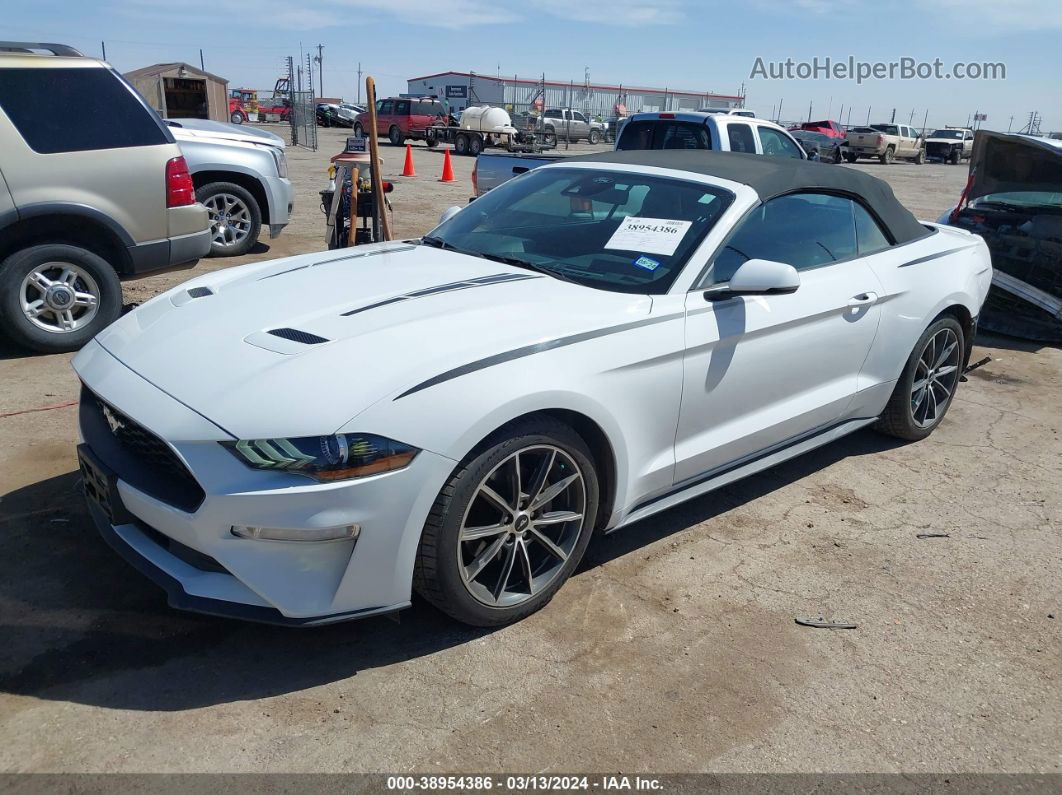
281 196
192 552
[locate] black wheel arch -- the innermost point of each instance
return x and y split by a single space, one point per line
67 224
969 327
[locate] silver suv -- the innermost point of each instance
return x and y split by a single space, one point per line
86 198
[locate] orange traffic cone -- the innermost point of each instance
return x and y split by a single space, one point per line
407 169
448 169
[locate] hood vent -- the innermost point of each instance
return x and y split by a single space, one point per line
293 334
200 292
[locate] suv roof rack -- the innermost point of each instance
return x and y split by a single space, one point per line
30 46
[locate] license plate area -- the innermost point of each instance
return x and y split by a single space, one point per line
100 485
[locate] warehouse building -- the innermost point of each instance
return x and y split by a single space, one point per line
516 94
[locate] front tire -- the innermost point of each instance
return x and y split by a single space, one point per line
920 158
927 385
235 218
394 135
358 131
594 138
956 157
851 158
55 298
236 117
510 526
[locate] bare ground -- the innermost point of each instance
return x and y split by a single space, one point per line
673 649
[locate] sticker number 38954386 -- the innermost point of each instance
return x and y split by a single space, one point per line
648 235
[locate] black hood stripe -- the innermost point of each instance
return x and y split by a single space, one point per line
538 347
464 284
938 255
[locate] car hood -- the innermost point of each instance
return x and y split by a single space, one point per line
349 328
1003 163
207 130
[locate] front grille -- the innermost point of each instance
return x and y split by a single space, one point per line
136 455
934 149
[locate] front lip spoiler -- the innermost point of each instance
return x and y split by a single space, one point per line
179 599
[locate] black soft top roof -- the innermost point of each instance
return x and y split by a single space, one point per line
776 176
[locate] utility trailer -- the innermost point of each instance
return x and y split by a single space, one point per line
483 127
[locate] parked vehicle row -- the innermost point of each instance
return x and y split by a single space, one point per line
474 468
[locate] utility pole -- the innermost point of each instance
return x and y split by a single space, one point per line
910 119
103 46
320 70
780 110
201 64
868 114
810 104
925 121
893 119
359 82
1010 124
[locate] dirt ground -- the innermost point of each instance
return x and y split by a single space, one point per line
672 650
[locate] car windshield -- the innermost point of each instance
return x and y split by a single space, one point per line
1045 199
610 230
957 134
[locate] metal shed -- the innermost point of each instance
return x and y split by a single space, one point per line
181 91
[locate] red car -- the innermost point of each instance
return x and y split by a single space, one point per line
829 128
399 118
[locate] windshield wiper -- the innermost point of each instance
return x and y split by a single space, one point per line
438 242
531 266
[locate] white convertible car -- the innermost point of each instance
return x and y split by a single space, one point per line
312 439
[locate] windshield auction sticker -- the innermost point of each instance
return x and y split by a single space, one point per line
649 235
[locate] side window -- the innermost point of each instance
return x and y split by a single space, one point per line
578 117
869 237
777 144
402 108
805 230
116 119
552 114
741 138
385 107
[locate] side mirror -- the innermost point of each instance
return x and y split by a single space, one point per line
449 213
758 277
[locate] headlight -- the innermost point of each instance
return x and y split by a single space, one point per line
326 458
281 161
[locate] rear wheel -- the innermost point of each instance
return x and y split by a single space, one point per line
235 218
851 158
887 156
357 130
461 144
475 145
394 135
510 526
927 385
594 138
55 298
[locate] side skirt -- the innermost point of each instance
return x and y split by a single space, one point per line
722 476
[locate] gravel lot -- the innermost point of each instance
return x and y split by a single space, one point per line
672 650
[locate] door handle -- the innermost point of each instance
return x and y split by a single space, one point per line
863 299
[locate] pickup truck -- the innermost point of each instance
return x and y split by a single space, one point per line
827 127
950 145
570 125
678 130
886 142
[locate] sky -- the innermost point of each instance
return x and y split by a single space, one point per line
699 45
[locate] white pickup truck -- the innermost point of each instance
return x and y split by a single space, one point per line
950 145
886 142
677 130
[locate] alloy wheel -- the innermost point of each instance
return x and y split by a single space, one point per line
230 219
521 526
59 297
936 375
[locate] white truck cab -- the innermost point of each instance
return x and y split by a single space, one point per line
698 130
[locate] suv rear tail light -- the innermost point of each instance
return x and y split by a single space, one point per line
180 191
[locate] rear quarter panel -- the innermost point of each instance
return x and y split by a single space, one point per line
920 280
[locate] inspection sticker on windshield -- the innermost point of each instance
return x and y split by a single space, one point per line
649 235
647 263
